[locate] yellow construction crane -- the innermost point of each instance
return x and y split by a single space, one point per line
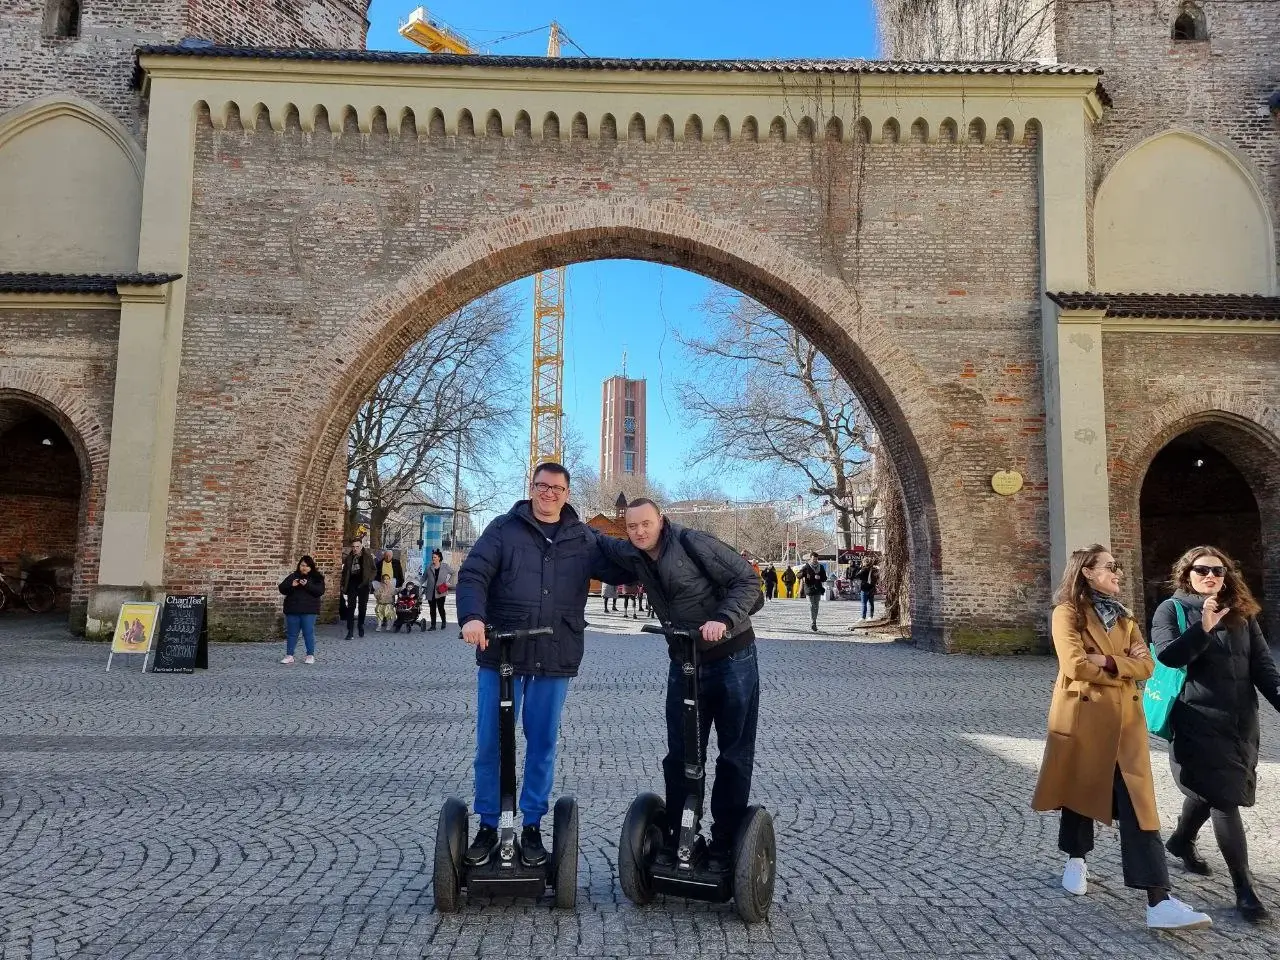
547 401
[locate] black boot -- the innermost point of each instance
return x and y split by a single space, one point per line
1248 904
1185 850
483 847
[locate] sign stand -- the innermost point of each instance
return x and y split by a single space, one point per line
135 628
183 643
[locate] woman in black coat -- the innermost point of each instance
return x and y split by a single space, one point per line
1214 722
302 591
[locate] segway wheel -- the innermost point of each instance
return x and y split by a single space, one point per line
640 842
451 841
564 853
754 866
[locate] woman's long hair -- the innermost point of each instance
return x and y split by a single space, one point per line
1074 589
1235 593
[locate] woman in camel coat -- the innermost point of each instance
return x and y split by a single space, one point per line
1096 764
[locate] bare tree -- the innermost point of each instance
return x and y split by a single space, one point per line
451 396
967 29
766 395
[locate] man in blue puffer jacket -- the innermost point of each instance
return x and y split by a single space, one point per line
530 568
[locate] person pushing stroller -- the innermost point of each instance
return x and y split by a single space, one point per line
409 607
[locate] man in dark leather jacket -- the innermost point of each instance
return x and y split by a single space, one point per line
530 568
695 581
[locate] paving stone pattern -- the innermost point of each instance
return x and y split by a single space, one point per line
259 810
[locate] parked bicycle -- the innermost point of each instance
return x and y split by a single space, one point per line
38 597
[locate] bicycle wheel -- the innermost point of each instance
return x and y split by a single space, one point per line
4 597
38 597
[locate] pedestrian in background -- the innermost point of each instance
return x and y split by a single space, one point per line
812 577
867 578
389 568
629 594
789 581
1214 723
1096 762
769 576
609 591
436 584
357 576
385 603
302 591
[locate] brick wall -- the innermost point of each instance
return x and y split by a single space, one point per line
294 236
98 64
1218 88
61 363
1213 389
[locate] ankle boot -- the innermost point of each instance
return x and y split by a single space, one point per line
1185 850
1247 903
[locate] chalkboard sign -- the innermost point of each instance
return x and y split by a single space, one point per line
183 643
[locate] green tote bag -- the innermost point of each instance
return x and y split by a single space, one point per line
1161 691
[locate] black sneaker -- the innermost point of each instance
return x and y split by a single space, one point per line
483 847
532 852
719 857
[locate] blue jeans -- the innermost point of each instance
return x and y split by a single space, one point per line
538 703
304 623
868 604
729 697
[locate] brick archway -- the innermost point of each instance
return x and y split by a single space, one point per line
1243 430
89 440
890 384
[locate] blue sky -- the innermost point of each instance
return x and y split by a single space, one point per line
612 305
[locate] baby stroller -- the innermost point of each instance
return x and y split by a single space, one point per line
409 608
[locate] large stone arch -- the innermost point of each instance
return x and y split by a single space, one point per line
892 387
1180 212
1246 430
91 441
71 188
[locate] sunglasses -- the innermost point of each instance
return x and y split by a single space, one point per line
1204 571
1112 566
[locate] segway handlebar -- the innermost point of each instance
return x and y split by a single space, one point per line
511 636
673 633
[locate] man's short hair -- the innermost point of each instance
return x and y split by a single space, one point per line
644 502
552 467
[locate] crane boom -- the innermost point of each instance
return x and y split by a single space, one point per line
546 413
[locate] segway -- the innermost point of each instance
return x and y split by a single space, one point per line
648 864
506 874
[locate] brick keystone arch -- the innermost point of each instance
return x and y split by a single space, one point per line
892 387
91 442
1244 429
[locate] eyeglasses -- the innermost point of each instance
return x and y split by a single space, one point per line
550 488
1113 567
1204 571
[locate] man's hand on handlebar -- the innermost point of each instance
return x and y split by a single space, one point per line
713 631
473 633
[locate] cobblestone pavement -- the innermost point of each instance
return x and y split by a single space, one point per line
264 811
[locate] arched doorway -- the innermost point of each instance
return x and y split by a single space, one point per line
804 297
42 483
1215 483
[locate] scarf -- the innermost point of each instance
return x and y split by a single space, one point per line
1109 609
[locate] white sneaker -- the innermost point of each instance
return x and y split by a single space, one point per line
310 659
1173 914
288 659
1075 878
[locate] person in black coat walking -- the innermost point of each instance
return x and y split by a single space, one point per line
302 591
1214 723
813 578
769 577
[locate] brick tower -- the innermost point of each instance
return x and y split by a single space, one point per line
86 47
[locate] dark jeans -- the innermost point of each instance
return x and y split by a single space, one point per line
357 597
814 600
1142 857
769 590
868 604
729 698
437 606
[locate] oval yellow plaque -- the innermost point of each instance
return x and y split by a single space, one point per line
1006 482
